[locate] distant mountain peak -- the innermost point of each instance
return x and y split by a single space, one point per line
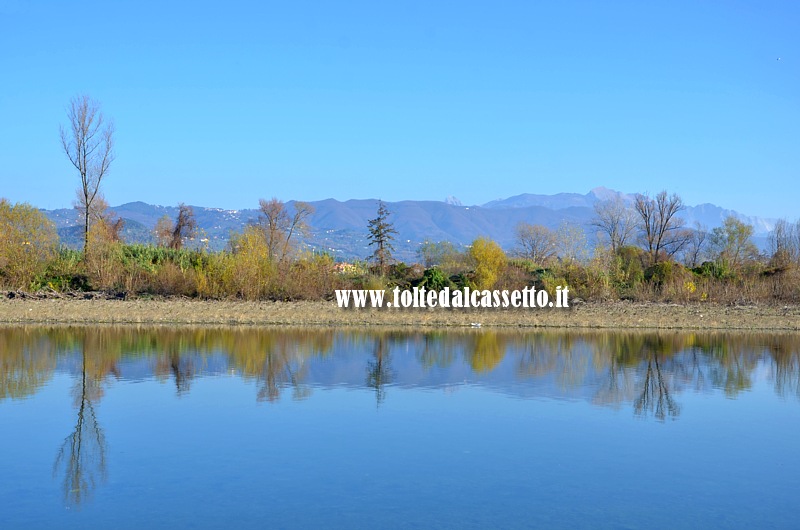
602 193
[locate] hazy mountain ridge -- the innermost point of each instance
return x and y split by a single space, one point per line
340 227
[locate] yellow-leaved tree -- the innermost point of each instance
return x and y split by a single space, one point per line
28 241
489 260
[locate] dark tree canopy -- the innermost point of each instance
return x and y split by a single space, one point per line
171 234
185 226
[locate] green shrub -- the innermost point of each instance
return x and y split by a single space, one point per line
435 280
713 269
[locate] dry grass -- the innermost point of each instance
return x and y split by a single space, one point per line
613 315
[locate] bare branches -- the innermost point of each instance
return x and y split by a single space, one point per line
163 231
661 229
536 243
784 243
88 142
280 226
615 220
696 246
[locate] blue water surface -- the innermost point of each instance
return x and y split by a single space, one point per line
298 428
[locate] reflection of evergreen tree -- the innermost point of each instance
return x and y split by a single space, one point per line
379 371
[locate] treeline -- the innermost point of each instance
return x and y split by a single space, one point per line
645 252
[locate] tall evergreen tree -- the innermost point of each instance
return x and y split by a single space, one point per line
381 234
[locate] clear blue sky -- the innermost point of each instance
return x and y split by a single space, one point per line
218 104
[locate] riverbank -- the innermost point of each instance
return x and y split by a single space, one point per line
610 315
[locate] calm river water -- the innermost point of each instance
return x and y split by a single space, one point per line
299 428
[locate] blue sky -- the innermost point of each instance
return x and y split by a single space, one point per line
220 103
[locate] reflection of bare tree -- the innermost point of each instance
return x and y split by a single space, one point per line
539 358
379 371
559 354
83 453
181 367
655 396
731 363
617 386
437 350
696 369
277 358
279 370
786 371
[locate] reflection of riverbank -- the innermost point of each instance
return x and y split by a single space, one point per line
613 315
646 369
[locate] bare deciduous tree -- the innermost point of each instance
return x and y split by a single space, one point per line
88 142
280 226
536 243
784 243
695 250
661 229
163 231
571 242
615 220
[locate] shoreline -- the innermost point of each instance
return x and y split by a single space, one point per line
595 315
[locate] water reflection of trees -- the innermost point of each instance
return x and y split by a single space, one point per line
379 369
277 359
179 367
648 371
27 362
786 368
655 395
437 350
82 456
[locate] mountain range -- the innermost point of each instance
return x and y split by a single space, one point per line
340 227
